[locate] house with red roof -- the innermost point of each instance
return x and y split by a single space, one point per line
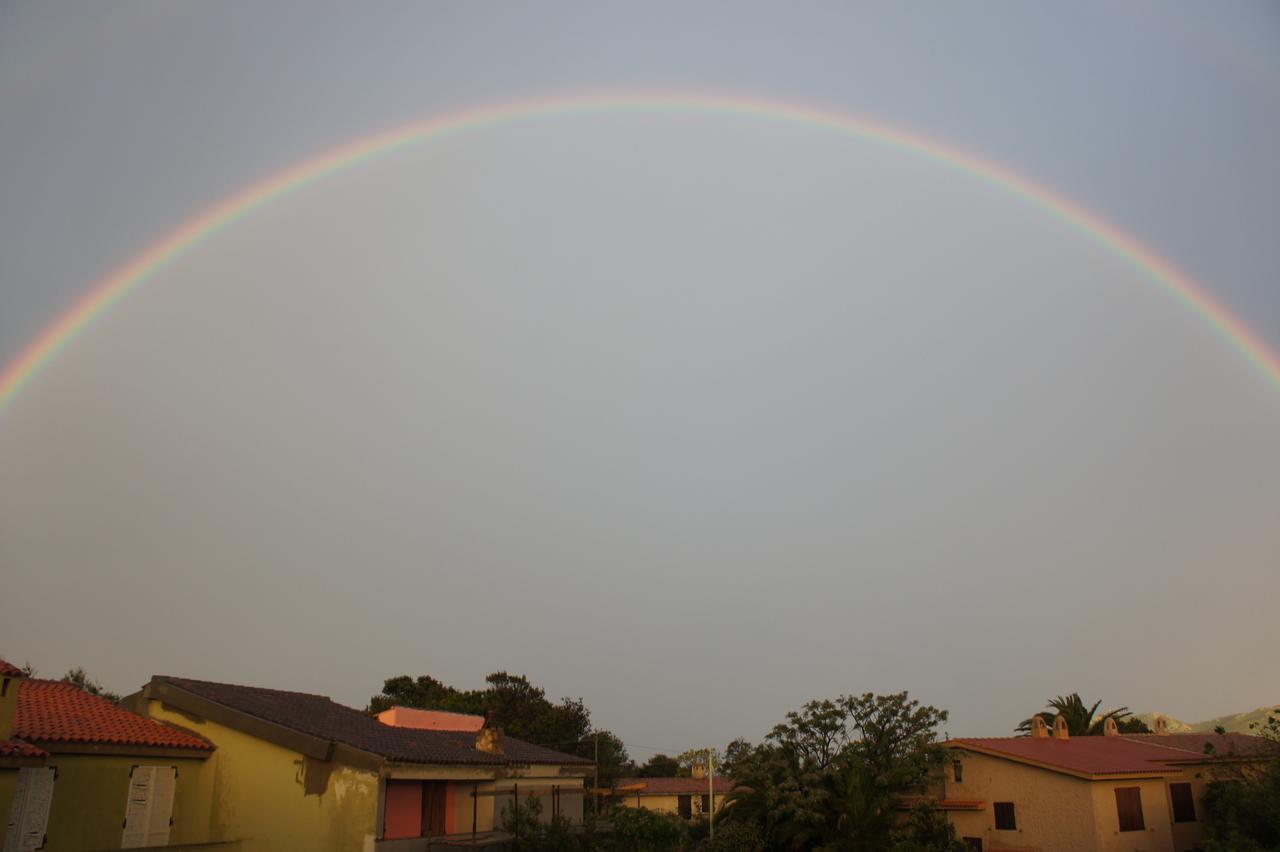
295 770
1112 793
685 797
79 773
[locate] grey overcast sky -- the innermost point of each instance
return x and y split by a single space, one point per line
696 417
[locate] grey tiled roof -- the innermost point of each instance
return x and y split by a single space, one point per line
320 716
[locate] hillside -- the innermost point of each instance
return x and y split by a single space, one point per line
1237 723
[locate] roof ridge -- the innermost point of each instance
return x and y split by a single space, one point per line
177 678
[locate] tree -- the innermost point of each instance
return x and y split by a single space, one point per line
613 761
642 830
80 678
694 756
734 753
1242 802
897 736
927 830
732 837
1084 721
659 766
815 734
519 707
830 776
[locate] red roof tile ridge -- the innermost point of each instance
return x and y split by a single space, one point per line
8 669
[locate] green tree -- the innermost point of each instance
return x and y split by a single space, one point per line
927 830
1242 802
79 677
641 830
519 707
737 750
694 756
659 766
732 837
830 776
613 762
1082 720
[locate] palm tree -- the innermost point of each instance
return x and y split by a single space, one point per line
1082 721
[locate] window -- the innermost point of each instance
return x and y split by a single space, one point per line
684 805
706 803
29 813
149 808
1005 819
973 843
1129 808
1184 806
957 771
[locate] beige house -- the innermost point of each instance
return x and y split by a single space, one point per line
293 770
684 797
1057 793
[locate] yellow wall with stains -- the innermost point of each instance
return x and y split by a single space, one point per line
91 792
258 796
668 804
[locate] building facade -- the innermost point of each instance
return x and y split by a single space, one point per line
294 770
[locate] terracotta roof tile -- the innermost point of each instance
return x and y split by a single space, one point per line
17 748
53 712
1084 755
320 716
674 786
8 669
1224 745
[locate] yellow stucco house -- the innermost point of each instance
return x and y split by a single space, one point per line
79 773
1057 793
685 797
294 770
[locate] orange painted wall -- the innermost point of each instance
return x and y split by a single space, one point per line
404 810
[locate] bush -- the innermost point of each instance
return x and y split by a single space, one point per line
640 830
732 837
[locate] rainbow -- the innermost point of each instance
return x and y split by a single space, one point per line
204 225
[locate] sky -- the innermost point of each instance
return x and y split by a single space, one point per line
695 416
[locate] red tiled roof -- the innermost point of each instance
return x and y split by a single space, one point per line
8 669
1080 755
673 786
53 712
17 748
1224 745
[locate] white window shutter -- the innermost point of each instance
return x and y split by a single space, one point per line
165 778
137 807
29 813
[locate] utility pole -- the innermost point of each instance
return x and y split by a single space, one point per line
711 789
596 785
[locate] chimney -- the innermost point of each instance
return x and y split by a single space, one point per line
699 770
1162 725
489 740
10 681
1060 729
1039 730
1109 728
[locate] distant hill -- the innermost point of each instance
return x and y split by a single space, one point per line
1238 723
